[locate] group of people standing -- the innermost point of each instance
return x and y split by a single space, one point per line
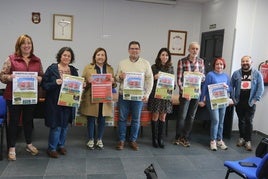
245 89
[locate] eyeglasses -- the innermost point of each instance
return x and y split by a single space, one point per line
134 49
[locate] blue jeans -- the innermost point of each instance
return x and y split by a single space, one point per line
91 126
184 123
57 137
217 120
127 107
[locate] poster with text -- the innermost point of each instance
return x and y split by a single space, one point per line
133 86
191 84
71 91
165 86
218 95
101 88
25 88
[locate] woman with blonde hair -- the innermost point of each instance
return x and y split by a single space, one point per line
23 60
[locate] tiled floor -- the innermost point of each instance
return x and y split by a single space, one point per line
196 162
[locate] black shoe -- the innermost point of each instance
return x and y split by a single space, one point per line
52 154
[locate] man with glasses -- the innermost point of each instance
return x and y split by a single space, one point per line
138 65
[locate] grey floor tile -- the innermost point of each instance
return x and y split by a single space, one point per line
105 176
197 161
22 177
104 166
66 167
26 167
81 176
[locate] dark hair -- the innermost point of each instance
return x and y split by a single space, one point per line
221 59
133 43
20 41
158 60
62 50
95 53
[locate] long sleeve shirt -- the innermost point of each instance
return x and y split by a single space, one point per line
185 64
140 66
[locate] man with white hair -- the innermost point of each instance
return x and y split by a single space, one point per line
188 106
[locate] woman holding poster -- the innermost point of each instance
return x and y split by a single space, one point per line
23 60
96 100
215 100
57 117
160 107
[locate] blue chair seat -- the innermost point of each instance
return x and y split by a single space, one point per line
3 115
1 121
247 172
260 171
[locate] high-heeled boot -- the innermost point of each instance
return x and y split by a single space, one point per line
154 134
160 134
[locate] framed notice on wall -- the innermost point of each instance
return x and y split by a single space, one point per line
177 42
62 27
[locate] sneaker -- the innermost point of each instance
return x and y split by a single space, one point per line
90 144
213 145
11 156
240 142
183 141
32 149
248 146
222 145
99 144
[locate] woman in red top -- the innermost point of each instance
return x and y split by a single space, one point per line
24 60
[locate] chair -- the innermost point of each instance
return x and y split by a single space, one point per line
3 115
249 168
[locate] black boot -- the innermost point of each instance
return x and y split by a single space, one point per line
160 134
154 133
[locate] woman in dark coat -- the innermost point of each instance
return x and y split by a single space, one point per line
57 117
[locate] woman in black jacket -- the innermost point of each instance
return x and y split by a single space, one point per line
57 117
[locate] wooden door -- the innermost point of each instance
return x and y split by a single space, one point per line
211 47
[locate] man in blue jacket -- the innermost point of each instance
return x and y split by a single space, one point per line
248 87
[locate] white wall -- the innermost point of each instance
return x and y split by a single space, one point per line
124 21
121 20
221 13
251 39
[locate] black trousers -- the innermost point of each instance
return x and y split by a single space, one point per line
26 113
245 115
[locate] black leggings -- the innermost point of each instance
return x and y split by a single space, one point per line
17 112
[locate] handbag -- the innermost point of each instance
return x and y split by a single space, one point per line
262 148
150 172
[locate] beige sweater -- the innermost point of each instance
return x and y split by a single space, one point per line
140 66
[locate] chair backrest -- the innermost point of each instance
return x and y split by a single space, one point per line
262 170
3 108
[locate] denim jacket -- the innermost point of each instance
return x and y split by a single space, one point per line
257 86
